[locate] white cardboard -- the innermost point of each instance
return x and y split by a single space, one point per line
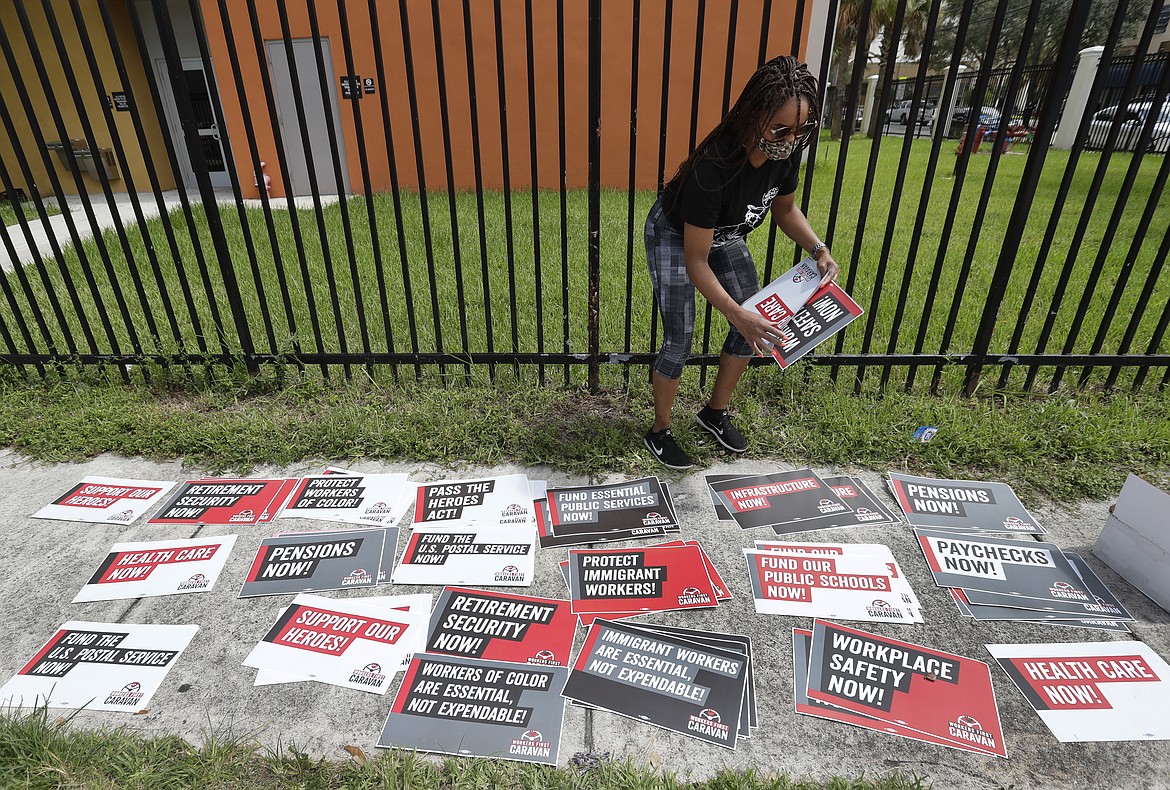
1136 539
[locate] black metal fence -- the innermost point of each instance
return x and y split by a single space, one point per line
1015 255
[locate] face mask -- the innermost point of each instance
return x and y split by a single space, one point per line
777 149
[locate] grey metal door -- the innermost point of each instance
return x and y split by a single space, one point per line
316 149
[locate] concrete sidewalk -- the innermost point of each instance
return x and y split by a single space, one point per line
120 207
50 560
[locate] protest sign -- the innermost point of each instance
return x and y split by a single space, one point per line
941 694
1016 568
348 643
801 653
501 627
628 505
317 561
224 501
662 679
781 498
781 299
392 603
501 500
489 555
851 588
1094 691
98 666
653 578
738 643
351 497
989 612
160 567
474 707
968 505
900 585
826 313
550 539
106 500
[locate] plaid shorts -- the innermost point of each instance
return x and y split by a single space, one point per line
675 293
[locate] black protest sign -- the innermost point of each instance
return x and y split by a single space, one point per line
863 509
502 627
962 505
738 643
316 561
472 707
629 505
778 498
826 313
1001 565
674 683
941 694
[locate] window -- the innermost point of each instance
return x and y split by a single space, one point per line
1163 21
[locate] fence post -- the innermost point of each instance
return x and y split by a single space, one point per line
1078 97
1022 207
206 191
594 194
946 115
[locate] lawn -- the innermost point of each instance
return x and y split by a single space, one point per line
350 294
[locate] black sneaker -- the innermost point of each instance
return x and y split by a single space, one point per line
666 450
717 422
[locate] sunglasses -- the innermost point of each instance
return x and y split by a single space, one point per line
802 133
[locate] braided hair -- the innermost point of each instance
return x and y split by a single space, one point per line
772 85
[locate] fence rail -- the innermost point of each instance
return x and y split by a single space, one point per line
460 187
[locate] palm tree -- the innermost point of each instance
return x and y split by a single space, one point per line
878 17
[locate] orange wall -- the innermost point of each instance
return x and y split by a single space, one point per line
91 105
617 81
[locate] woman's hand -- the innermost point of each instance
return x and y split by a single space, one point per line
827 267
760 333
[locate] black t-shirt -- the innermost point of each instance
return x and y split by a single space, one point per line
723 191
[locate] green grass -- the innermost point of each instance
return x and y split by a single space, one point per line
39 752
325 294
1062 446
8 216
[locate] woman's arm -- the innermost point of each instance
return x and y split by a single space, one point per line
790 219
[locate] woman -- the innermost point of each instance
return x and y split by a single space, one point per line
745 168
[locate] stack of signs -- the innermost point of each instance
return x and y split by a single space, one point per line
809 313
471 532
693 684
1096 691
356 643
962 505
106 500
863 507
316 561
722 591
159 567
502 627
477 707
351 497
844 581
622 582
572 516
225 501
887 685
1006 579
98 666
798 501
393 604
489 683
